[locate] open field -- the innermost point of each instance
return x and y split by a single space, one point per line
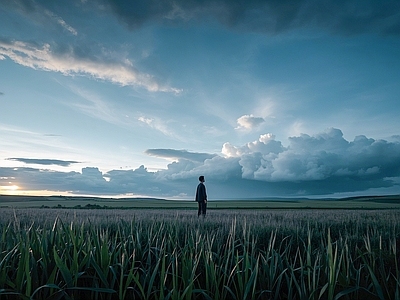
171 254
372 202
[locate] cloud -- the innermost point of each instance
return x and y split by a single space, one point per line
95 106
60 21
325 163
266 16
39 13
320 164
1 94
343 17
37 179
69 62
18 140
326 157
36 161
148 121
179 154
249 122
162 126
395 137
156 124
271 17
265 145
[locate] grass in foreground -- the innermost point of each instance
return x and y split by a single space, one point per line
75 254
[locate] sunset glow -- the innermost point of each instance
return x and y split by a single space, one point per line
8 189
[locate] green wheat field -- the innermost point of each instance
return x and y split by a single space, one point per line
158 249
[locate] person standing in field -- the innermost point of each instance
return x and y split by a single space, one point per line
201 197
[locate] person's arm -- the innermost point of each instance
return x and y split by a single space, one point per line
198 194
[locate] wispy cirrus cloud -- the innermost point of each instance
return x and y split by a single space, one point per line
67 62
95 106
40 13
21 138
60 21
160 126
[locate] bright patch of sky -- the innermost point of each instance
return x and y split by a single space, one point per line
263 98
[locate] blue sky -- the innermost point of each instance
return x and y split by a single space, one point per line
139 98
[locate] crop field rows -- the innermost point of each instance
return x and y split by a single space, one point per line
172 254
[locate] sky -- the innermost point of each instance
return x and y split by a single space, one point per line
117 98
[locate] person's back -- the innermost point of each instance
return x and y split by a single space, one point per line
201 197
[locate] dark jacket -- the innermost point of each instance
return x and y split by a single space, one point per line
201 194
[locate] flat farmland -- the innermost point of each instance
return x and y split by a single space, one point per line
372 202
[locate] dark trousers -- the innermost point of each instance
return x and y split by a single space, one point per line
202 209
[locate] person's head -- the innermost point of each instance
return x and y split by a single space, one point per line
201 178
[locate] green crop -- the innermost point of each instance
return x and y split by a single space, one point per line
148 254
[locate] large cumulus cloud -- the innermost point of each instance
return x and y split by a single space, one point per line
327 162
324 163
321 164
326 156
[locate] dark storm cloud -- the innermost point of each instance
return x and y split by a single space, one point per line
179 154
271 16
322 164
36 161
268 16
